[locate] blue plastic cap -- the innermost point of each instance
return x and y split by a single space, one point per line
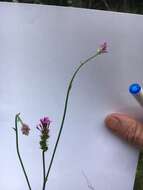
134 88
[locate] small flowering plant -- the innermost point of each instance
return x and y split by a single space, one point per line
44 127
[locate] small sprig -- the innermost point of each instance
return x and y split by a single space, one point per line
102 49
43 127
25 129
18 119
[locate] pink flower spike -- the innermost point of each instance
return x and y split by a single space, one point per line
43 127
25 129
103 48
45 121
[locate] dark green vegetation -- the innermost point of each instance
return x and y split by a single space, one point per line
132 6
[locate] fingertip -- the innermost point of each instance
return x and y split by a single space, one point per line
119 116
112 121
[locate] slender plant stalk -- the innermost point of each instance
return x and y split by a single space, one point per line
64 114
44 170
88 182
18 153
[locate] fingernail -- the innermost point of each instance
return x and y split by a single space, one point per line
113 122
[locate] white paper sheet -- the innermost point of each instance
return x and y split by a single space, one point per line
40 47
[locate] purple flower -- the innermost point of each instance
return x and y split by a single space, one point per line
25 129
45 121
43 127
102 48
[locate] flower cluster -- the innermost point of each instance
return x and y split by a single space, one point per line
43 127
102 48
25 129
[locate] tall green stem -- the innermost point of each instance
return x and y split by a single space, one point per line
44 172
18 153
64 113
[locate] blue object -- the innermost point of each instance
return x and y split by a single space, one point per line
134 88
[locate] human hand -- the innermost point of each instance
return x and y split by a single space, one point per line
126 127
